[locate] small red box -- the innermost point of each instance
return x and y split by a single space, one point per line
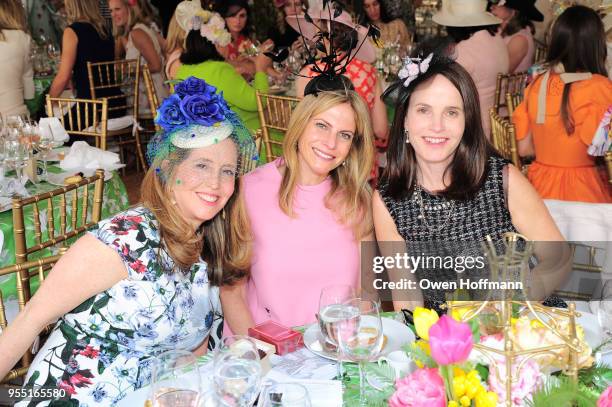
285 340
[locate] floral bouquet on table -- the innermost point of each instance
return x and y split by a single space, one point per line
452 372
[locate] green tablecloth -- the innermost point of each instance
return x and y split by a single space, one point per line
41 84
115 200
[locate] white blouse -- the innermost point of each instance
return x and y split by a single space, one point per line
16 74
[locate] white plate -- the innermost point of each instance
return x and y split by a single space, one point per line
397 335
56 154
593 334
58 179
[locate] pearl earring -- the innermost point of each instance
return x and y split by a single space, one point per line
407 136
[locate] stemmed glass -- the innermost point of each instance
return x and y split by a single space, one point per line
604 312
360 336
44 146
331 311
176 380
285 395
16 155
237 372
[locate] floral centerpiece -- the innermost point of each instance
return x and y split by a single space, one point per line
453 370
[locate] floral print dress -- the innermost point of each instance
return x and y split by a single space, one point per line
103 349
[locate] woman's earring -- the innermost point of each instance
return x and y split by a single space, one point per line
223 213
407 136
344 163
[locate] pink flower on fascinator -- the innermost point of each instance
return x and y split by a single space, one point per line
132 3
279 3
413 67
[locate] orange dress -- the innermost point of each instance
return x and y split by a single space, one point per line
563 170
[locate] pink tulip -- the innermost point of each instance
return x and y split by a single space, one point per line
424 387
450 341
605 400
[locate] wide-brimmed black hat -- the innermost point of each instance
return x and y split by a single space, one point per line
526 7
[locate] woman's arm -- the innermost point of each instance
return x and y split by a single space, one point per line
517 49
525 146
88 268
386 234
235 309
380 122
301 81
145 46
67 59
238 92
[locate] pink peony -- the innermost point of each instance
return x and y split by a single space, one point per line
424 387
450 341
605 400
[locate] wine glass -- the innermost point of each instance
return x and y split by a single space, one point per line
285 395
176 379
331 311
44 146
360 336
237 372
604 312
17 155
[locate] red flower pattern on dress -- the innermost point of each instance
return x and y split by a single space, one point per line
82 378
63 384
121 225
90 352
138 266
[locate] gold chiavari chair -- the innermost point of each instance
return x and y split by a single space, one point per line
513 83
151 92
274 115
513 100
36 267
504 139
540 52
87 117
123 76
77 212
609 165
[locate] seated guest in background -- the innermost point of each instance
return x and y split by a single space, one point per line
392 31
283 35
517 31
16 75
474 32
202 60
563 108
443 182
237 21
177 32
137 37
308 212
146 280
347 38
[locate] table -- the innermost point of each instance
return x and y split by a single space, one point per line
41 84
115 200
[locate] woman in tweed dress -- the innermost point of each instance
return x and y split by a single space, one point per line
444 182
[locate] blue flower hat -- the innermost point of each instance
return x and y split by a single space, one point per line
197 116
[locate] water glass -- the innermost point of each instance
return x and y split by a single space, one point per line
237 372
332 311
44 146
176 380
17 156
285 395
360 336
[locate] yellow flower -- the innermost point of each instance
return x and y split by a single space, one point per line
458 372
424 346
459 386
486 399
453 403
423 320
465 401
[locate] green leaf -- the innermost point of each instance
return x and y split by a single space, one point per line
562 393
475 327
483 372
84 306
417 354
33 378
101 303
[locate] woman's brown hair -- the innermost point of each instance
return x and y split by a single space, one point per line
12 17
223 241
86 11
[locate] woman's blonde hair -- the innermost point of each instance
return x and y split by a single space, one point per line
223 241
176 36
86 11
350 195
140 13
12 17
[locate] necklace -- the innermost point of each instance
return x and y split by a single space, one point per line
443 206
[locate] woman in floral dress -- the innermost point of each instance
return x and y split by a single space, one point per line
146 280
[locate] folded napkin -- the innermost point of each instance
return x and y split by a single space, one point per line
51 126
87 159
10 187
117 123
322 393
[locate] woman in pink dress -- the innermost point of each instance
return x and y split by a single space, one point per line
308 212
517 31
479 49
